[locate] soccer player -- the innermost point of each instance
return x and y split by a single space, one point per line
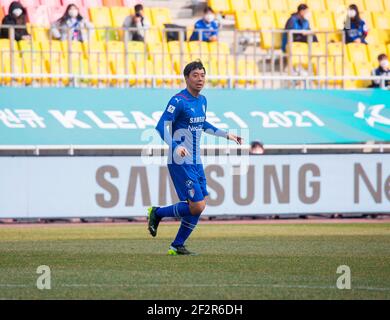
181 126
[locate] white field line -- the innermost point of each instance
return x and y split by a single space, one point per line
206 285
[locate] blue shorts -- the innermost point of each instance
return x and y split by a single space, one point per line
189 181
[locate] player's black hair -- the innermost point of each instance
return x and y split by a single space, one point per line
255 144
302 6
193 66
138 7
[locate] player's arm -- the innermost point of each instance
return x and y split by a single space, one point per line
165 125
210 129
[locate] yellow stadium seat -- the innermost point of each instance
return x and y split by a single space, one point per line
386 5
136 50
101 18
119 14
52 49
266 21
335 5
316 5
345 69
158 51
222 6
333 67
219 50
39 33
292 5
161 67
377 36
180 54
363 69
28 48
199 50
278 5
221 68
34 64
357 52
259 5
153 35
374 50
374 5
239 5
359 3
75 50
160 16
247 68
299 53
381 20
323 20
245 20
97 60
281 18
117 62
6 67
143 67
367 17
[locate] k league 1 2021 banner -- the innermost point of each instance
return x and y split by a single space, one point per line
70 116
239 185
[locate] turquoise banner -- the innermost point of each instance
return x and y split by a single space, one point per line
64 116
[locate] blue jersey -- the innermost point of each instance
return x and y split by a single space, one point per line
209 29
182 123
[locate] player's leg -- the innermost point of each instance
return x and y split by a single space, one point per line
181 178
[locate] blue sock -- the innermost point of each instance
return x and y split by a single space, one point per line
187 225
178 210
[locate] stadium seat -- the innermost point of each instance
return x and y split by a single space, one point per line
119 14
180 54
5 4
245 20
259 5
377 36
51 49
97 60
292 5
281 18
336 6
101 19
30 3
219 50
247 68
112 3
374 5
116 59
386 5
136 50
92 3
367 17
374 50
199 50
221 6
56 12
265 20
381 20
39 33
299 52
160 16
51 3
323 20
32 59
239 5
336 49
363 69
1 13
278 5
161 67
75 51
316 5
38 16
153 35
221 68
357 52
158 52
6 67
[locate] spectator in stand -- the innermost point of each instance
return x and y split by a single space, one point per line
71 24
355 27
382 70
138 21
256 148
298 21
16 17
208 26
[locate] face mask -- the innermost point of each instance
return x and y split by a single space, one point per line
209 17
73 13
384 63
352 13
17 12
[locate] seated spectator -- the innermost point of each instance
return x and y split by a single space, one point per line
138 21
256 148
208 26
355 27
16 17
298 21
382 70
71 24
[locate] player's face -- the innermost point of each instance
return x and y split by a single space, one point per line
196 80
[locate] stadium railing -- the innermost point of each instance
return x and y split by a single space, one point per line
43 61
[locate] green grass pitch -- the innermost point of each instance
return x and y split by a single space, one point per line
236 261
